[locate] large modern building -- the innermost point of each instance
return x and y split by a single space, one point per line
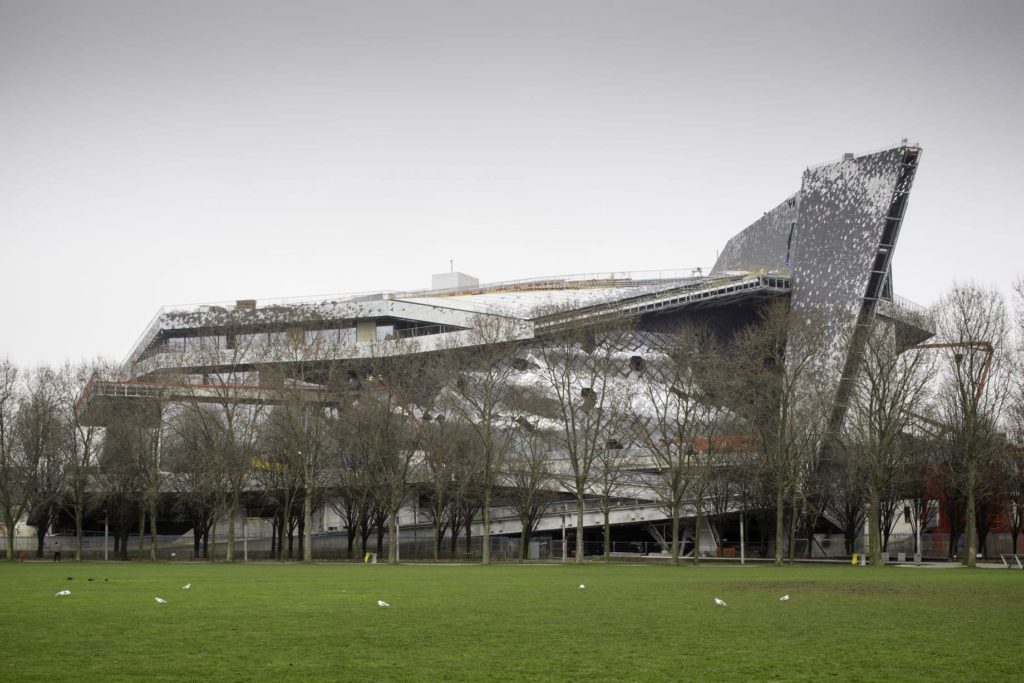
828 248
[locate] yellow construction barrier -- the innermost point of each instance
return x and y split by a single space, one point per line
854 560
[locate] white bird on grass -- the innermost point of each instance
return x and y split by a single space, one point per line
186 586
61 594
582 586
160 601
720 602
381 603
784 598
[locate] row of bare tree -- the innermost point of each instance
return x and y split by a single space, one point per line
704 422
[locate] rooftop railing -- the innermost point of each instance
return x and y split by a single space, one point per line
857 155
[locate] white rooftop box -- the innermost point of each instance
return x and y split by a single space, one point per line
454 280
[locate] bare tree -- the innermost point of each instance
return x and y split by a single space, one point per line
848 503
135 441
580 368
479 380
466 499
673 416
83 441
278 470
1014 505
920 475
778 385
15 473
611 475
241 390
972 393
198 480
309 404
887 393
530 482
351 468
446 445
753 492
382 426
41 436
119 481
1014 461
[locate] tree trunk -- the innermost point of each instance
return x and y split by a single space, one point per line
793 518
579 529
142 531
307 523
779 524
874 527
696 537
607 537
9 538
275 539
78 533
971 542
485 555
152 532
232 510
675 537
393 538
438 537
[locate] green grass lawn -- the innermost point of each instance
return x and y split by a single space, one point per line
507 622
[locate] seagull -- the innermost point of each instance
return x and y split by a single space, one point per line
186 586
160 601
720 602
784 598
582 586
381 603
61 594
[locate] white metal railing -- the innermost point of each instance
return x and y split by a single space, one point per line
571 281
857 155
910 306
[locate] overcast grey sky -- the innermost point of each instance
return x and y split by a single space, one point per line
160 153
